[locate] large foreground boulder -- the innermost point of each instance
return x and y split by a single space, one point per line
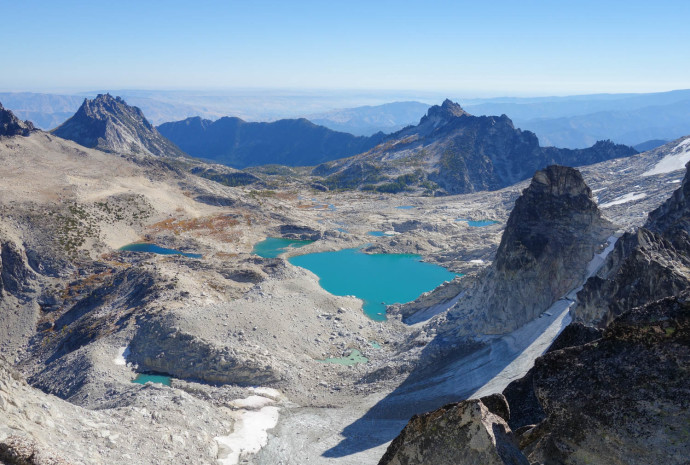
624 399
457 434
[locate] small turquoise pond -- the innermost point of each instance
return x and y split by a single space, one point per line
377 279
405 207
378 233
479 223
158 379
354 358
153 248
273 246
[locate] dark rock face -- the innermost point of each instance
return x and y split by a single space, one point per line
650 264
672 218
551 234
14 273
290 142
108 123
453 152
10 125
623 398
228 177
643 267
525 408
293 231
456 434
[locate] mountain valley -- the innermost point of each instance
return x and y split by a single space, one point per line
245 341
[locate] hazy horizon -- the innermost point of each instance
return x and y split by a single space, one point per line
529 49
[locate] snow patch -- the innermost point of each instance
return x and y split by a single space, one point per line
478 261
249 435
267 392
624 199
676 160
122 354
251 403
598 260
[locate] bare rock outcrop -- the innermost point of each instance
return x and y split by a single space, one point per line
456 434
10 125
160 347
552 233
647 265
108 123
621 399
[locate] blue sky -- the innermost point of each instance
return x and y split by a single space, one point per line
524 47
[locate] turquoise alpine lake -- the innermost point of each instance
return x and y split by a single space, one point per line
405 207
153 248
377 279
478 223
158 379
378 233
271 247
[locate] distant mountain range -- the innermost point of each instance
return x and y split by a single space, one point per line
290 142
109 124
579 121
367 120
453 152
571 121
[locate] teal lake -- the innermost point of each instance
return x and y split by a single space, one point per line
159 379
273 246
153 248
479 223
377 279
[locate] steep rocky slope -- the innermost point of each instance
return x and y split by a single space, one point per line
108 123
451 151
551 235
290 142
648 264
618 394
622 398
10 125
152 425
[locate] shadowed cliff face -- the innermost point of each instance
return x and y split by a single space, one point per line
10 125
647 265
108 123
551 235
555 209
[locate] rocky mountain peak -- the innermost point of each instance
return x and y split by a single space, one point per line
558 181
553 232
108 123
10 125
444 112
552 211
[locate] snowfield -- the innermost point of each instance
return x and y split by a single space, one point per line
679 156
624 199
